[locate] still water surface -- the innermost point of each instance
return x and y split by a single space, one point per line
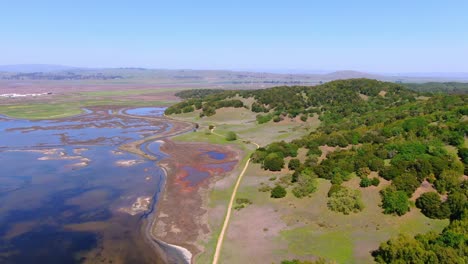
65 188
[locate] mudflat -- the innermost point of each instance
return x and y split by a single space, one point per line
192 169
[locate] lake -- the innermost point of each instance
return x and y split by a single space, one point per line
69 195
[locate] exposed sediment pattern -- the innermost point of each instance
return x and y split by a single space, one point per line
182 209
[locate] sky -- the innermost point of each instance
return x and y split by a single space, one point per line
364 35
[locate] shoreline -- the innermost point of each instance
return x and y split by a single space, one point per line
175 222
170 253
183 209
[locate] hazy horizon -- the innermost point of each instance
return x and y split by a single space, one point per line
367 36
40 67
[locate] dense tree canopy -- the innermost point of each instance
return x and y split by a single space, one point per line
394 201
451 246
377 127
432 206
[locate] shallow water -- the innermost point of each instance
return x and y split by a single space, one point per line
194 176
216 155
62 192
146 111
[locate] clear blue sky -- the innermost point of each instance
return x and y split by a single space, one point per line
367 35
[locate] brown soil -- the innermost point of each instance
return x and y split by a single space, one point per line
182 210
424 188
327 150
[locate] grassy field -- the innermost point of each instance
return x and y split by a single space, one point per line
110 93
307 229
218 200
220 194
70 104
242 122
38 111
67 104
271 230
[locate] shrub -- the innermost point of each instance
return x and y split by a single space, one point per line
389 173
363 172
365 182
463 154
295 176
188 109
278 192
261 119
432 207
306 184
231 136
294 164
273 162
376 164
345 201
394 202
406 182
334 188
402 249
264 188
447 181
259 155
375 181
457 202
239 206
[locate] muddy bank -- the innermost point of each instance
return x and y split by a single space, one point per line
64 181
68 177
191 169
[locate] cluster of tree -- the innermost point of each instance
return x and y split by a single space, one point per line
207 108
197 93
272 157
333 100
432 206
403 139
435 87
377 127
450 246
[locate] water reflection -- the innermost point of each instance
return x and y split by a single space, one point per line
62 193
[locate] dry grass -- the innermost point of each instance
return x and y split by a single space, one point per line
309 229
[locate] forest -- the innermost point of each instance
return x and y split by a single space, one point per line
401 135
436 87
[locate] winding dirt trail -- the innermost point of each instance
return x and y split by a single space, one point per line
219 244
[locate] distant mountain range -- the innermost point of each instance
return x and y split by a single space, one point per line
29 68
60 72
